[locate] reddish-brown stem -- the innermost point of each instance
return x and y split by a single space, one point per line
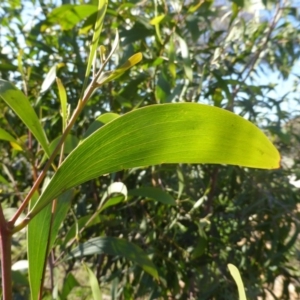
5 248
10 224
42 175
47 166
7 228
39 180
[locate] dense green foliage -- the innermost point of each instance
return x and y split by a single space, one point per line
190 219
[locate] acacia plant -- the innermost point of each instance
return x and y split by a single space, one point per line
156 134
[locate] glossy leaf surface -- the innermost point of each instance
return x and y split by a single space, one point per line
168 133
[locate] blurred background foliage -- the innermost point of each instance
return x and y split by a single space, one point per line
239 55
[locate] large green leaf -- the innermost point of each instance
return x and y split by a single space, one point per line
17 101
167 133
116 247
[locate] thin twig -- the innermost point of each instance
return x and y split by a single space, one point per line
251 64
81 103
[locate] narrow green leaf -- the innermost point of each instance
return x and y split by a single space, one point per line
5 136
156 20
163 87
184 50
70 143
193 8
99 122
69 283
97 295
20 63
107 117
200 248
88 24
166 133
17 101
153 193
3 180
62 209
158 34
16 147
37 239
112 201
116 247
238 280
114 289
235 11
102 5
111 75
181 182
49 79
63 102
37 236
7 172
